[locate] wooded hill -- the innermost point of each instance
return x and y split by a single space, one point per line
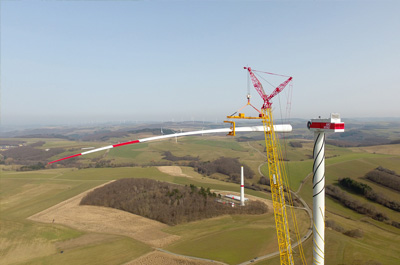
224 165
165 202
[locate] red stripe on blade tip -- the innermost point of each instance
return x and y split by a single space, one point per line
131 142
64 158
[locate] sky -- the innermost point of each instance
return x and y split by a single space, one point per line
66 62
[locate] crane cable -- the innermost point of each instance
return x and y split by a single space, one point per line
269 73
286 179
265 79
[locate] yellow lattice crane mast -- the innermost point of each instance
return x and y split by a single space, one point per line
276 169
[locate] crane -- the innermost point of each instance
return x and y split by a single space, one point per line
277 172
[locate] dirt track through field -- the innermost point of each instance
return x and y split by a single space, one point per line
105 220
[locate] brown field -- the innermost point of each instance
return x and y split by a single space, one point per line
173 171
393 149
105 220
84 240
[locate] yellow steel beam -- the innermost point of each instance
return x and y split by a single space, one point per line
233 127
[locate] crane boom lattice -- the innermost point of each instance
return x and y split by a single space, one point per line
277 189
277 174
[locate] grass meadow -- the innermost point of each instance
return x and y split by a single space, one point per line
231 239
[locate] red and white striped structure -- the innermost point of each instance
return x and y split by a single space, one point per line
241 186
235 197
278 128
320 127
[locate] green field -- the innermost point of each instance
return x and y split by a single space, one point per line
230 239
26 193
116 251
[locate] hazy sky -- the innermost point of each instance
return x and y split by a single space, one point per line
83 61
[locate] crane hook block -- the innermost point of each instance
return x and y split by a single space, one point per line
231 133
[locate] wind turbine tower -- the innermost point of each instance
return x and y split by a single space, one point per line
242 186
320 127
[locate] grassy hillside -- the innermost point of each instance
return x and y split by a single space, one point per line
25 193
231 239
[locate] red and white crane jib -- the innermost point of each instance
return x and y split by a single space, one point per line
258 86
279 89
277 128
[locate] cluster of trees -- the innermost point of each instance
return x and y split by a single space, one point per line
29 155
37 144
335 226
355 186
264 181
385 177
362 208
224 165
165 202
356 233
252 187
169 156
295 144
37 166
366 191
396 224
11 142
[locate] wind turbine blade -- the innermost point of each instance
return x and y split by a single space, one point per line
277 128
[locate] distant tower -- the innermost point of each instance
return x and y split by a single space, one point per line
242 187
320 127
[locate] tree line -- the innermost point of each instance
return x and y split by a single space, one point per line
356 233
224 165
385 177
29 155
366 191
362 208
37 166
165 202
169 156
296 144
